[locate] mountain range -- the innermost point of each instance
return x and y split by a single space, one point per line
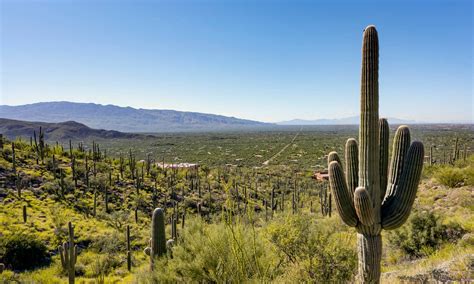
133 120
59 131
125 119
340 121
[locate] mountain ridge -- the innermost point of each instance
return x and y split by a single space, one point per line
125 119
351 120
59 131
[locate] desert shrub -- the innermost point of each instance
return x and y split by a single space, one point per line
312 251
110 243
21 251
215 253
423 234
450 176
103 265
469 175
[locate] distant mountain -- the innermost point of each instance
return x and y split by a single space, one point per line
58 131
125 119
340 121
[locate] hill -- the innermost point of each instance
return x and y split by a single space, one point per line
58 131
126 119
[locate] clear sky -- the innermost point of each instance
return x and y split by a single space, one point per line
262 60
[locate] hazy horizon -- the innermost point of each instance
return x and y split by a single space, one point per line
263 61
280 122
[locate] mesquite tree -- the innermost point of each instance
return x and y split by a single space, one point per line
368 196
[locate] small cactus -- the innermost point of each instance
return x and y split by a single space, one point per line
157 246
13 158
68 254
25 216
129 252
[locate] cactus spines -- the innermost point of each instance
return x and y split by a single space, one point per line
158 240
68 254
383 199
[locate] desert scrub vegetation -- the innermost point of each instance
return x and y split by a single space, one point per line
462 173
424 234
288 248
23 251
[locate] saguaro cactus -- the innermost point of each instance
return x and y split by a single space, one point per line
158 239
382 199
68 254
129 252
25 216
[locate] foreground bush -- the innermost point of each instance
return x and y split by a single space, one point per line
23 252
423 234
450 176
313 251
290 249
215 253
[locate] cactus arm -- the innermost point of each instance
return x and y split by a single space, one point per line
363 206
383 143
352 164
61 254
397 206
75 254
333 156
342 196
401 144
66 253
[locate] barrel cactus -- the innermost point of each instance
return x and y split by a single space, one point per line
367 195
157 246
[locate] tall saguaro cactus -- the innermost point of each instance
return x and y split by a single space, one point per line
368 196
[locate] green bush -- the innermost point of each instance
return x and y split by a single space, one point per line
313 251
423 234
450 176
23 252
215 253
469 175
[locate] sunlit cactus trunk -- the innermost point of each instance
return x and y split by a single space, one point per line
368 196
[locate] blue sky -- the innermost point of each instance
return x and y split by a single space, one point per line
262 60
